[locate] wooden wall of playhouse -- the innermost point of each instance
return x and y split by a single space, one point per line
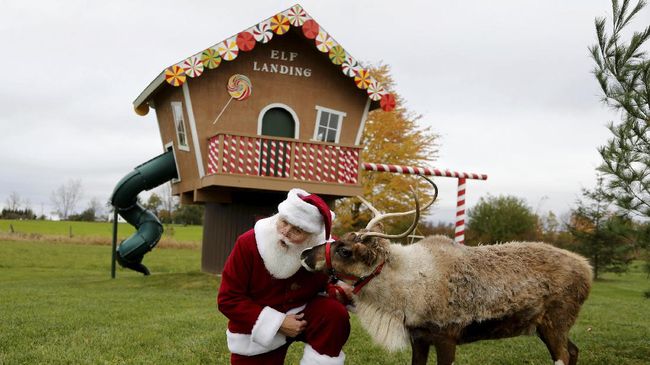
288 70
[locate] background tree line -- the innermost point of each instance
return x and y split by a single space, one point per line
66 198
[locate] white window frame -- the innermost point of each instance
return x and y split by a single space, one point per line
341 115
260 117
170 146
175 116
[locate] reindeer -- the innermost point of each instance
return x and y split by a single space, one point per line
436 292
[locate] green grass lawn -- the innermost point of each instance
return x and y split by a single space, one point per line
58 305
102 231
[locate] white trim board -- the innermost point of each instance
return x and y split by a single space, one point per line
195 136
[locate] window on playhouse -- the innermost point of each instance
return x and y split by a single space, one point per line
328 124
179 124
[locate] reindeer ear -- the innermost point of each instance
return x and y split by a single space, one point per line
364 253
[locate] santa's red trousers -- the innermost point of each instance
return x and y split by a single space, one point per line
328 328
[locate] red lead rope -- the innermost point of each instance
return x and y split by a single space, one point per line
360 281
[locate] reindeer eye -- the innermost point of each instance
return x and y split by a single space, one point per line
344 252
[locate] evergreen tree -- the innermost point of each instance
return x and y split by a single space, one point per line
623 71
603 236
394 138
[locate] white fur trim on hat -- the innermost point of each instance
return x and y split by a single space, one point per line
312 357
300 213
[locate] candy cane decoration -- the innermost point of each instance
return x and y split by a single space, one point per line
459 233
265 146
409 170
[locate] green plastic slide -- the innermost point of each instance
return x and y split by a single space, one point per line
147 176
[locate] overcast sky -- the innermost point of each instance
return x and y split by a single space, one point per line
506 84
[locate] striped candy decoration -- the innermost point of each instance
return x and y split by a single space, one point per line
226 153
297 16
265 156
245 41
327 162
280 165
375 90
262 32
324 42
258 155
213 155
228 49
362 78
337 55
244 163
409 170
387 102
310 29
350 167
193 66
343 171
349 66
304 161
175 75
459 234
280 24
210 58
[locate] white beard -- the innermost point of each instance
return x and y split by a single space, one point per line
281 257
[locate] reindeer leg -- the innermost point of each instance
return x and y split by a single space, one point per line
420 347
556 343
445 351
573 351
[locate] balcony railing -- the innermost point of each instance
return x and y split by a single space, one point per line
283 158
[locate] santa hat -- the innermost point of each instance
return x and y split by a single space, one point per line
307 211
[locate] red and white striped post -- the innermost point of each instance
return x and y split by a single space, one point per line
459 234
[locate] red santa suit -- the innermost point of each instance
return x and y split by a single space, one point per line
258 289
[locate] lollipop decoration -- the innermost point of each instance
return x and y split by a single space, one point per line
239 87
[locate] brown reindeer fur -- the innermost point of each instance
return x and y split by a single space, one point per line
437 291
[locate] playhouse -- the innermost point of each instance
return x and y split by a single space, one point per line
278 105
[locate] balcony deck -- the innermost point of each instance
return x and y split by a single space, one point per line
279 164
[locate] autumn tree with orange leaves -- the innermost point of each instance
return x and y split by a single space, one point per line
394 137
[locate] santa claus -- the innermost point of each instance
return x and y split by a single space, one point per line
271 301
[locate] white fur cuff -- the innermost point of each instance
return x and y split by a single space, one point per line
266 326
241 344
311 357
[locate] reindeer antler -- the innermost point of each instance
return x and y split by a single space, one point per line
378 216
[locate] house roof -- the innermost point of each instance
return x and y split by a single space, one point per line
277 25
